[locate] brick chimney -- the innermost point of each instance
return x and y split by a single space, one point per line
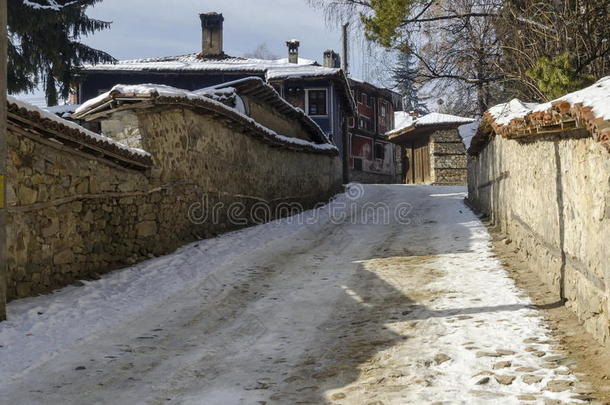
211 28
293 50
331 59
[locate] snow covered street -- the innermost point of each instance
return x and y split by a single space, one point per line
391 296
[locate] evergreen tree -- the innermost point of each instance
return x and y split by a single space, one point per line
558 76
44 45
404 76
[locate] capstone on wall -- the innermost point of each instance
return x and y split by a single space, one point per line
551 196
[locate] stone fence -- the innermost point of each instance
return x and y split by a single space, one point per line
80 206
549 191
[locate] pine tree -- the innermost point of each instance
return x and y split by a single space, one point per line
44 45
404 75
558 76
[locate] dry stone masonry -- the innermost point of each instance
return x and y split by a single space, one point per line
546 183
76 212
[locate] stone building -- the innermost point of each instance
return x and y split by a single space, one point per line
323 92
541 172
81 203
431 150
372 156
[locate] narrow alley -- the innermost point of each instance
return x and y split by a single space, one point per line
387 295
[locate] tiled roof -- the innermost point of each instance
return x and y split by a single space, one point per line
588 108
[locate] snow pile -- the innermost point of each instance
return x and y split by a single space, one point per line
50 116
596 96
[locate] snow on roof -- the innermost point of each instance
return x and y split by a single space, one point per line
89 134
159 90
193 62
292 70
136 90
596 96
505 113
441 119
64 111
402 122
402 119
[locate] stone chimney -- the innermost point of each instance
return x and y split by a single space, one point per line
211 28
331 59
293 50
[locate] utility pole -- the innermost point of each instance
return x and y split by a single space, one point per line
344 129
3 154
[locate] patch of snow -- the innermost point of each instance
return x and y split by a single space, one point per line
297 71
468 131
301 61
402 120
50 116
596 96
64 111
439 119
505 113
192 62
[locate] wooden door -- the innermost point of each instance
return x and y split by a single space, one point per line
417 162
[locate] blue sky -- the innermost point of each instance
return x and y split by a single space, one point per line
145 28
151 28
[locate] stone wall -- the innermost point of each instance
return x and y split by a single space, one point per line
123 126
551 196
267 116
74 215
448 156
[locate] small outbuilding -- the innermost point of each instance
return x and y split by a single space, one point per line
431 148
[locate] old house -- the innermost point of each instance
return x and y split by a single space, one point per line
372 157
431 149
321 91
199 163
541 172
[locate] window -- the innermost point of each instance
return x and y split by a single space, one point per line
316 102
365 123
379 151
363 98
370 101
383 110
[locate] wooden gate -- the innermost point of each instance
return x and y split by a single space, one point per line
417 161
